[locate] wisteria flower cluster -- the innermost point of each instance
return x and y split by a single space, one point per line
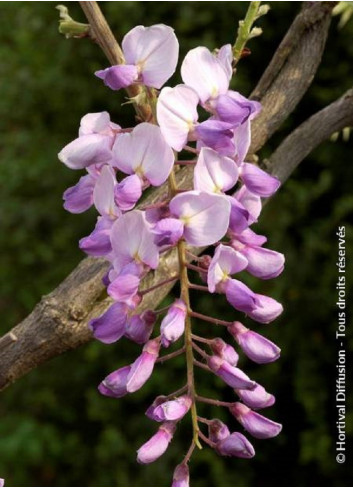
217 213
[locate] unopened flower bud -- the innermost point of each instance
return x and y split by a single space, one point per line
225 351
232 376
181 476
217 430
157 445
173 324
172 410
257 398
256 424
258 348
235 445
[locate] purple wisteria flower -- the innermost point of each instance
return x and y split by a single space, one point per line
168 234
151 56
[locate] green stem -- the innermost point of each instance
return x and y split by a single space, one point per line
244 30
184 285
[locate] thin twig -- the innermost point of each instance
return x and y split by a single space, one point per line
171 355
214 402
210 319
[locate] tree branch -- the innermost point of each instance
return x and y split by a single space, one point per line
60 321
294 149
291 70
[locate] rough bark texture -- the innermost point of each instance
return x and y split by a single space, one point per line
291 70
59 322
309 135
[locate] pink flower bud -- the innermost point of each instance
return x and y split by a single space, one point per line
115 384
258 348
2 482
140 326
131 378
258 426
157 445
181 476
225 351
172 410
257 398
232 376
235 445
173 323
142 368
217 430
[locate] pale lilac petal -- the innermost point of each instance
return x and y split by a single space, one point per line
110 326
214 173
242 140
181 477
258 181
251 202
168 232
127 192
250 238
115 384
96 123
240 296
205 216
132 239
142 368
2 482
93 149
208 74
256 424
118 76
225 262
263 263
144 152
157 445
98 242
124 287
257 398
103 194
225 56
235 445
266 309
232 376
177 114
154 50
79 198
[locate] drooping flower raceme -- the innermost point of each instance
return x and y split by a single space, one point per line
216 211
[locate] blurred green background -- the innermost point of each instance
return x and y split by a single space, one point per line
54 427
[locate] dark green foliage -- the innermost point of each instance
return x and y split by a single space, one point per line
55 429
